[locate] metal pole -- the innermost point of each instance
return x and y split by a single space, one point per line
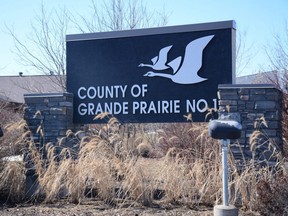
225 144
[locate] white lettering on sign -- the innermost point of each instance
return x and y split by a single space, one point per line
158 107
80 95
137 90
94 102
94 109
101 92
200 105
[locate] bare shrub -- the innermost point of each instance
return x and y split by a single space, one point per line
137 183
12 127
11 141
191 184
191 138
9 112
264 149
195 158
144 149
61 175
12 173
12 181
254 174
272 196
284 123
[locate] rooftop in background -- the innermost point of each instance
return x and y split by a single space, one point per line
12 88
259 78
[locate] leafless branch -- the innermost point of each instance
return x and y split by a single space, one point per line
44 50
244 54
119 15
278 57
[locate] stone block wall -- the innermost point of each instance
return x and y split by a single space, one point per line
48 117
53 113
257 105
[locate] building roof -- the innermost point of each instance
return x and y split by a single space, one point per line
276 78
259 78
13 88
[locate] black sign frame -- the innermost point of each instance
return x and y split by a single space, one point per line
141 76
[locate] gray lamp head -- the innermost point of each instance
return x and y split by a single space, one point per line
224 129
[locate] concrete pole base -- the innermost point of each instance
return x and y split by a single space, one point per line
221 210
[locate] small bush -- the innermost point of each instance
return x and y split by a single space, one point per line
144 150
12 182
11 141
273 196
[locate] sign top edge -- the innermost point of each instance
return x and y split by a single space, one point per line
153 31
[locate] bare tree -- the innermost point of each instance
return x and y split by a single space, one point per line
278 56
244 54
119 15
278 51
45 51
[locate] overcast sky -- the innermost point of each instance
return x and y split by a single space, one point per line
260 19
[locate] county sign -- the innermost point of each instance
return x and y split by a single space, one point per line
150 75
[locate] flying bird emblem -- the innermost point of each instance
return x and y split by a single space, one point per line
187 73
159 62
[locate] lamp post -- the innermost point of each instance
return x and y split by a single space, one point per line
224 130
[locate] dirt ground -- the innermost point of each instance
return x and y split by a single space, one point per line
88 209
98 208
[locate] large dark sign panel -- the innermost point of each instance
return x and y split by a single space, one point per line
150 75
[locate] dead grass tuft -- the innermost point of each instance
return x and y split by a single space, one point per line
12 182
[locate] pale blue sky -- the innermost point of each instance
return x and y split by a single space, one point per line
260 19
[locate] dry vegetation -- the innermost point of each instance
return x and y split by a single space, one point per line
160 165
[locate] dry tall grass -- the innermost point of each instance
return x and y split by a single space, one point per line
12 182
12 173
181 165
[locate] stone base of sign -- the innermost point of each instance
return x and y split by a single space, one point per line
48 117
221 210
259 108
31 184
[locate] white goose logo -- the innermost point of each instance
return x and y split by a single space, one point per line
159 62
187 73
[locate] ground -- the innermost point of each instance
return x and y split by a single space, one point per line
91 208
